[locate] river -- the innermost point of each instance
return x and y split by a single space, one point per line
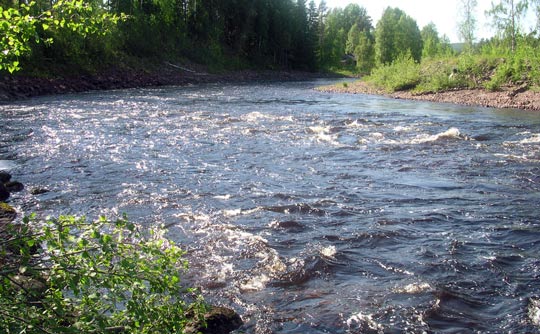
306 212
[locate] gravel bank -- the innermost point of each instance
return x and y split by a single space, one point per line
508 97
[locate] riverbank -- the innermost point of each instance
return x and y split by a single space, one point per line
15 87
513 97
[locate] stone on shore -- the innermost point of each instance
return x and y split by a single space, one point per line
7 214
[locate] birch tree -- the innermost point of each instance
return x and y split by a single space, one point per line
506 17
467 23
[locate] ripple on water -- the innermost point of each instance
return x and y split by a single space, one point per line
307 212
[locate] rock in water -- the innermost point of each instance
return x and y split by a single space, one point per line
4 177
4 193
39 191
14 186
219 320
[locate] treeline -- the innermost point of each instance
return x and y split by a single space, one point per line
221 33
510 58
293 34
290 34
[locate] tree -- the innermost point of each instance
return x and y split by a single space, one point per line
506 17
322 12
536 8
337 26
467 23
397 34
360 44
431 41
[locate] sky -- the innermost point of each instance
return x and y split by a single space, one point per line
444 13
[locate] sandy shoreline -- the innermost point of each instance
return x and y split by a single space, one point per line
508 97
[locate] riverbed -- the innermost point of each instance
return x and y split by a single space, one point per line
306 212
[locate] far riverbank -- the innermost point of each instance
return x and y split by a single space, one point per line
513 97
16 87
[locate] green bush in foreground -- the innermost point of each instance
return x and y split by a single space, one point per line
68 275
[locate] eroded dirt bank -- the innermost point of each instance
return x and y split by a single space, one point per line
20 86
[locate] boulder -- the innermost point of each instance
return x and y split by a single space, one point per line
219 320
14 186
4 192
4 176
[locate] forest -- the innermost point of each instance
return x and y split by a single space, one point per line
86 35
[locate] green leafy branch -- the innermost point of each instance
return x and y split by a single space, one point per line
67 275
19 26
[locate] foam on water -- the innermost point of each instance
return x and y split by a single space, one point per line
306 212
414 288
7 165
452 133
323 135
534 311
364 322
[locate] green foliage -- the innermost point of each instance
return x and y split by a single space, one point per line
360 43
19 27
432 75
521 67
476 69
440 74
467 23
402 74
506 16
397 34
431 41
347 31
68 275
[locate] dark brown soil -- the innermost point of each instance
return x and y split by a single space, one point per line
20 86
508 97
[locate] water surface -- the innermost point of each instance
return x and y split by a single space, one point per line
306 212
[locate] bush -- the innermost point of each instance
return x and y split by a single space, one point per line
477 69
68 275
523 66
402 74
440 75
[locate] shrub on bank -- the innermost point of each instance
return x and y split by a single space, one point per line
68 275
488 70
431 75
402 74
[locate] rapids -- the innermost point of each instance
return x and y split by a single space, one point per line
306 212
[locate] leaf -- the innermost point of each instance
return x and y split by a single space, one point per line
45 26
14 66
